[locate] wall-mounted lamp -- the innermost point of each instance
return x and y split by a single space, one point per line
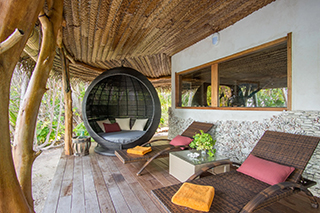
215 39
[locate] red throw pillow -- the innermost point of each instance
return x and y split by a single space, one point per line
181 141
266 171
111 127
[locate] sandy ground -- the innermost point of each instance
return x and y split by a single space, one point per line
44 168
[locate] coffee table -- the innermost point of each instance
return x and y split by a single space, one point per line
182 166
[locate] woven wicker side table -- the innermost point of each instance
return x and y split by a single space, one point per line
81 145
181 166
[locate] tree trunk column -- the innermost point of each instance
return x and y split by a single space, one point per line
67 103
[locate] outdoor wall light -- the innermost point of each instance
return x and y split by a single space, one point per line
215 38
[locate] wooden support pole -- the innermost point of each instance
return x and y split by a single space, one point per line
11 40
67 103
214 85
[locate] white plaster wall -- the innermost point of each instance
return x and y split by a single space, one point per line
274 21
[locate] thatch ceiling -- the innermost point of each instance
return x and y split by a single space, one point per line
142 34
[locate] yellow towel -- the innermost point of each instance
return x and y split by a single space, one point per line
194 196
139 150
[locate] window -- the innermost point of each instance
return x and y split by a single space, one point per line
258 78
196 88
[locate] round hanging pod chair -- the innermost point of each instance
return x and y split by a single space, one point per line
121 109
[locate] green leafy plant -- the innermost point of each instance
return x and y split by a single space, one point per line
203 141
79 129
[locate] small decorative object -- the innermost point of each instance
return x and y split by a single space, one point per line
81 145
203 141
193 155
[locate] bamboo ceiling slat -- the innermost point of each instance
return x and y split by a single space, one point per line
153 31
76 23
177 21
139 27
68 40
147 29
84 18
102 33
94 8
116 22
107 10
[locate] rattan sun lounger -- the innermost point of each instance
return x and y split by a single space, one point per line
237 192
161 150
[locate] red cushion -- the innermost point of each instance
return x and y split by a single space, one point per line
181 141
266 171
111 127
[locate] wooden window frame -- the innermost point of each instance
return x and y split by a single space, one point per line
215 78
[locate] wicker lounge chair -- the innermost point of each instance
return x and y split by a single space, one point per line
161 150
237 192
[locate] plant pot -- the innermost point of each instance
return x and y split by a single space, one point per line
81 145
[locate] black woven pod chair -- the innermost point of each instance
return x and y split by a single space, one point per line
120 92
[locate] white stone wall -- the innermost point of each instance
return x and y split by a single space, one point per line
236 139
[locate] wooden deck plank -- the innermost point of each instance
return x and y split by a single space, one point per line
54 193
131 178
77 204
127 174
64 204
103 195
145 200
132 201
114 191
91 199
146 180
157 173
110 186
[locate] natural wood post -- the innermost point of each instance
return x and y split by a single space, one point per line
23 153
11 40
67 103
18 14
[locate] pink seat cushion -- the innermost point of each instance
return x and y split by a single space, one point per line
266 171
111 127
181 141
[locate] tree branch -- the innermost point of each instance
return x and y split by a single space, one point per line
11 40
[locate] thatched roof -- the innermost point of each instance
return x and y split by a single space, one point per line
142 34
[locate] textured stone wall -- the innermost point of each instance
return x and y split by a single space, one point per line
236 139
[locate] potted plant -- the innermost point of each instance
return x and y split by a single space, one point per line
204 142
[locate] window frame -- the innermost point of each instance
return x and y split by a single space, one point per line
215 78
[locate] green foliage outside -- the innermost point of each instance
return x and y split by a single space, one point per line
50 127
165 101
272 97
80 130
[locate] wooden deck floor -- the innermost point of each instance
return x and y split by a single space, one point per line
98 183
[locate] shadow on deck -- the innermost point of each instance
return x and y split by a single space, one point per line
97 183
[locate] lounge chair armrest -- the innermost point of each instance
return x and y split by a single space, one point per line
206 168
155 140
266 193
307 183
236 164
